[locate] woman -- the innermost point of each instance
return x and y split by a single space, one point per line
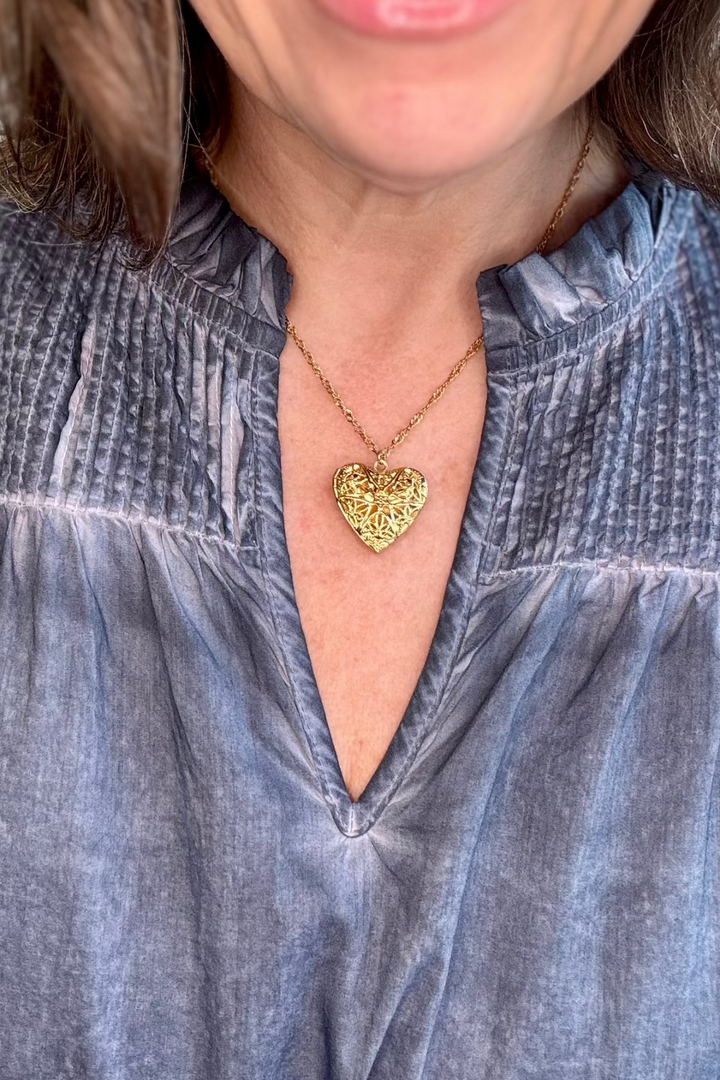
374 749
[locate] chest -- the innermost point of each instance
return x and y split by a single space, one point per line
369 617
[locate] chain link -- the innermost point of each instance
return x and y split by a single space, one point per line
550 231
349 415
382 454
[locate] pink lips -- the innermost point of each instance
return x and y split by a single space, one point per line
424 18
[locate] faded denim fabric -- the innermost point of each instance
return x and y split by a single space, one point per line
529 887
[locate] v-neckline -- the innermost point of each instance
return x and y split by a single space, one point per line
424 709
539 308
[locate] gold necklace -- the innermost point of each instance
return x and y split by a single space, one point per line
380 504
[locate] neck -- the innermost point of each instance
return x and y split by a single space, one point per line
397 265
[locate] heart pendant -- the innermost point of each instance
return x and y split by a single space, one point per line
380 507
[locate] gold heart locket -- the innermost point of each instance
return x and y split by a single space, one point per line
379 506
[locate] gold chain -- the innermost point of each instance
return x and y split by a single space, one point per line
381 455
568 191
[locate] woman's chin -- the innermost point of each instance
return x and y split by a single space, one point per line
412 153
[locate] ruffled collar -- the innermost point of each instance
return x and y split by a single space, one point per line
545 304
533 309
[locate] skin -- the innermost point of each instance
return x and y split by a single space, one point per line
390 173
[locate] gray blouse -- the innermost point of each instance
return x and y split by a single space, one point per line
528 889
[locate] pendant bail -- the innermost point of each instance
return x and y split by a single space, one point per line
381 465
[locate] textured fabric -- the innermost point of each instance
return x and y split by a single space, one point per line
528 889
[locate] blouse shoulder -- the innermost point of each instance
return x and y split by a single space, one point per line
214 265
39 266
109 374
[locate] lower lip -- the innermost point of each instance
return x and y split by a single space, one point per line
417 18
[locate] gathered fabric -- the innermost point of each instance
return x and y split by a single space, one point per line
528 889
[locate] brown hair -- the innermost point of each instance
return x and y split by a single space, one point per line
102 102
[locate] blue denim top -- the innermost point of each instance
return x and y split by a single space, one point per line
529 887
